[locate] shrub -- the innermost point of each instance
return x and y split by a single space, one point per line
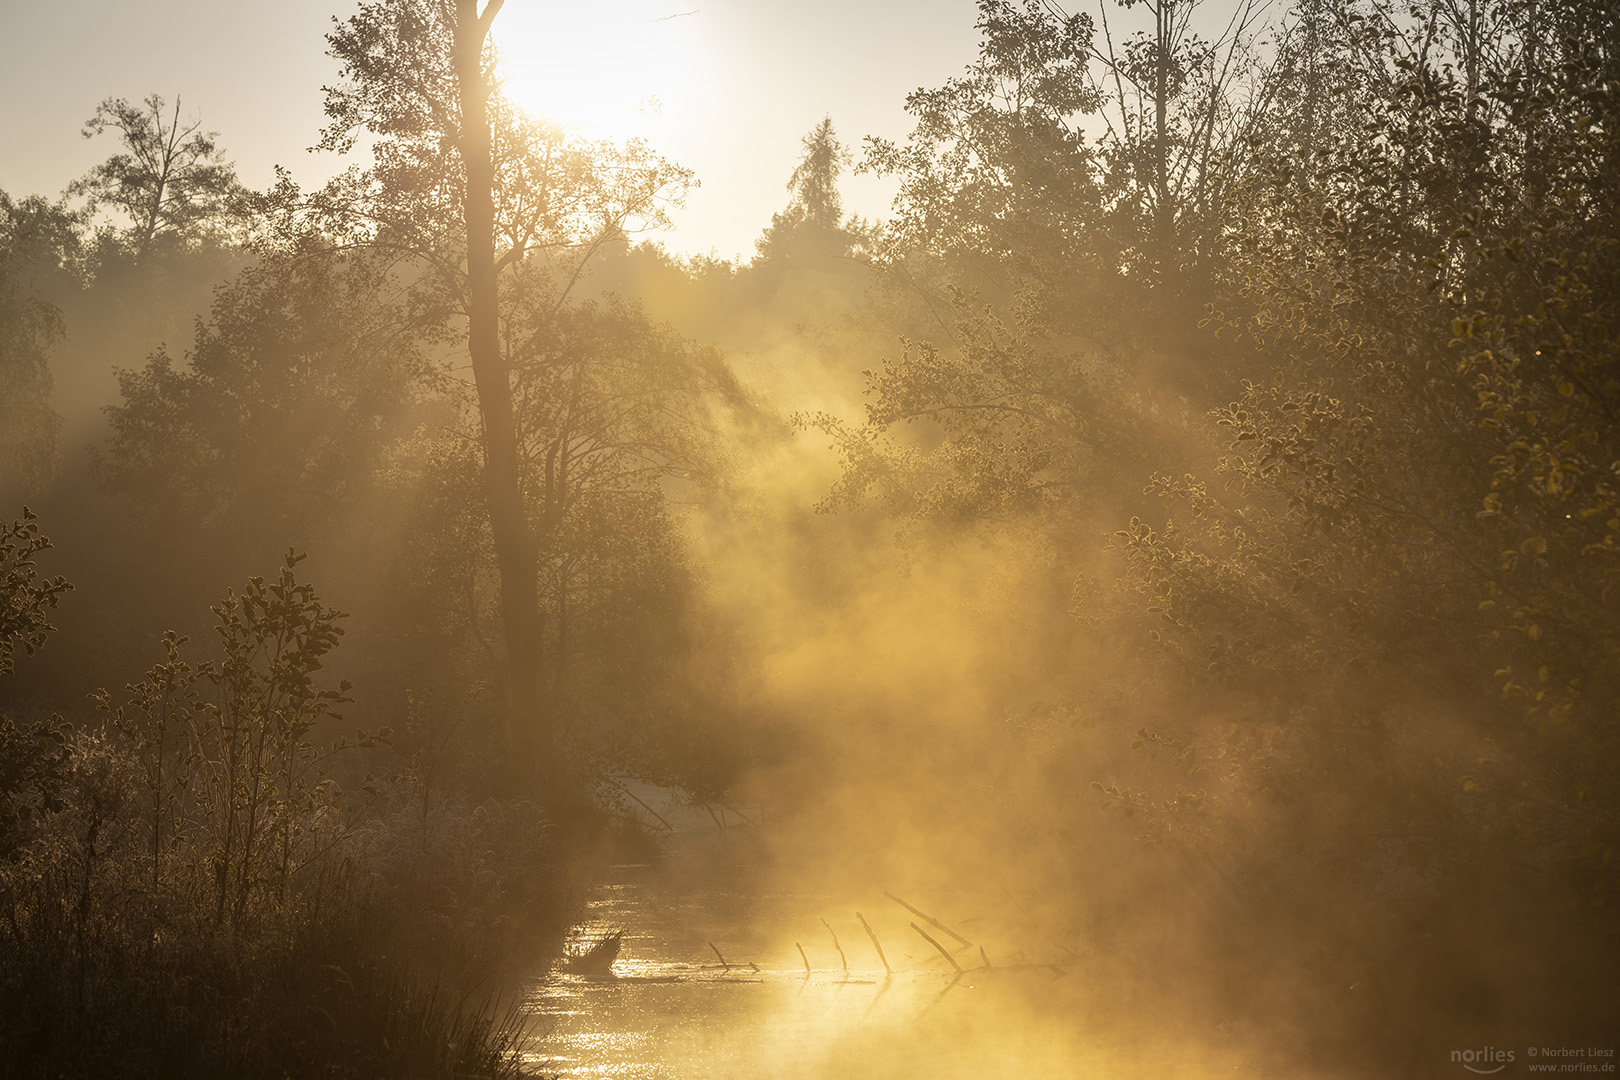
190 891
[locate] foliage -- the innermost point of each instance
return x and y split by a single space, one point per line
1366 649
26 597
171 179
557 198
1001 178
1318 324
1393 592
174 901
33 757
32 754
1037 245
29 327
1020 424
256 773
813 223
307 367
471 188
233 772
998 167
1181 111
614 413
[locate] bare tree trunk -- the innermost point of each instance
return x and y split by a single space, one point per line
531 730
1163 207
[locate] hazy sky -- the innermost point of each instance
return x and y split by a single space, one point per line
736 83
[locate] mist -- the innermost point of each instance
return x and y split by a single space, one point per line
1142 607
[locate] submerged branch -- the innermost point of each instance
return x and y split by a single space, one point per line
938 946
718 953
841 957
869 933
931 921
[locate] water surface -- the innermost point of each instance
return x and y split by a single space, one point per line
672 1010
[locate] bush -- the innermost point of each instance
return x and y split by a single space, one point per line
190 891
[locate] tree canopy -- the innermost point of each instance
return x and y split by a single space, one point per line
171 180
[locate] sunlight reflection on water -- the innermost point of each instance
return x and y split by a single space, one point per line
663 1019
670 1010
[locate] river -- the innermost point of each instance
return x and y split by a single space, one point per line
711 985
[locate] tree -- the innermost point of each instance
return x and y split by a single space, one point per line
815 179
1038 239
457 171
171 180
26 598
514 544
611 409
31 754
1179 110
29 327
307 367
813 222
1395 592
997 176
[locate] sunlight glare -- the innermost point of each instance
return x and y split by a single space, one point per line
610 70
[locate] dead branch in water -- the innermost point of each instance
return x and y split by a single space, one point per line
615 781
803 957
931 921
868 928
841 958
986 958
938 946
744 818
719 954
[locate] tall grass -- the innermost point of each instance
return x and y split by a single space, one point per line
330 989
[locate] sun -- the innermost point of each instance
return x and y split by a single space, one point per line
608 70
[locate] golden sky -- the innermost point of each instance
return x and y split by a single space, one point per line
725 87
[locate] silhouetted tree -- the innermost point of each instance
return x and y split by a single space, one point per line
1005 222
813 222
1180 110
610 408
171 179
998 176
457 172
